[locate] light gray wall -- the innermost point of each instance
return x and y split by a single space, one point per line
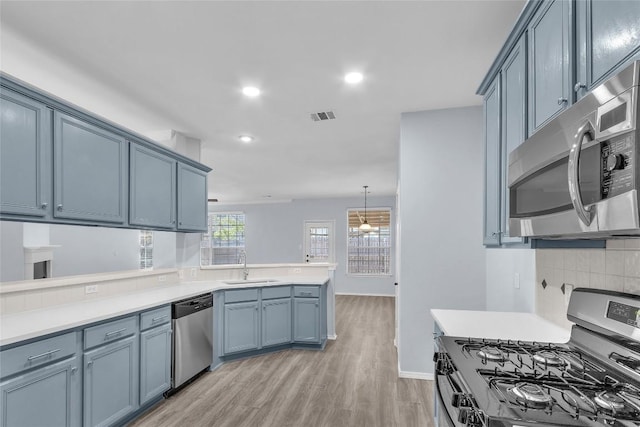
502 267
86 250
442 260
275 234
11 251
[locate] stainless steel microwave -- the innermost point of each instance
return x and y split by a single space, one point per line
578 176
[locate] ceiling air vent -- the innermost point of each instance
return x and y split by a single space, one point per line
323 115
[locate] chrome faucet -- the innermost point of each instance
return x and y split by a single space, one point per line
242 258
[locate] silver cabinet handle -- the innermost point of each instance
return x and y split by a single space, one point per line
44 205
316 304
584 213
59 207
579 86
562 101
45 354
73 370
89 363
118 332
173 222
157 319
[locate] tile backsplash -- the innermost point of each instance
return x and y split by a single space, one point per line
615 268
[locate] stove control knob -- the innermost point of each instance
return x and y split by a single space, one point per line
463 416
473 420
460 400
615 161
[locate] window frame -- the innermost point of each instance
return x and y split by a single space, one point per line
390 247
211 248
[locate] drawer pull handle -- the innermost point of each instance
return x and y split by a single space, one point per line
118 332
73 370
157 319
45 354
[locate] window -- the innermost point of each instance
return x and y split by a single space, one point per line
225 239
146 250
369 253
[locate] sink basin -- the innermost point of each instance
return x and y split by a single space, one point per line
248 282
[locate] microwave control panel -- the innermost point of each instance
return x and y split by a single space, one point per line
617 159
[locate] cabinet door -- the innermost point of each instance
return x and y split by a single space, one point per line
25 155
513 113
492 164
48 396
607 39
155 362
152 188
110 382
192 199
306 320
241 327
276 321
549 77
90 172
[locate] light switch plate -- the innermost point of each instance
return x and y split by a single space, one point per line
162 278
194 272
91 289
297 270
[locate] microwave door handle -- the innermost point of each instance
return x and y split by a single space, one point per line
584 213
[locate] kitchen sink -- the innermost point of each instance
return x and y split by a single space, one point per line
249 282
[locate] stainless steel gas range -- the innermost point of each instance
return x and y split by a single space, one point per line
593 380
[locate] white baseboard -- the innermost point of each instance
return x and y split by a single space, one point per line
332 337
366 295
416 375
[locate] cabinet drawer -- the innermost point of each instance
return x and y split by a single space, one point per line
155 317
107 332
276 292
306 291
37 353
241 295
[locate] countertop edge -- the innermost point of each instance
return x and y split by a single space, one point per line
89 312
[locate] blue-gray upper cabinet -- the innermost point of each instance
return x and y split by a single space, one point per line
493 169
111 382
607 38
550 68
513 121
25 155
241 331
152 188
90 172
276 321
192 198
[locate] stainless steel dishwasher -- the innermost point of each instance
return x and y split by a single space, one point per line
192 338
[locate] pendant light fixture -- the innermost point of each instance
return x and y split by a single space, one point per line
365 227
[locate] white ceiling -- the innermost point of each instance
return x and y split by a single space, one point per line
154 66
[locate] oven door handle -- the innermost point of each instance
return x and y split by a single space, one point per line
584 213
444 410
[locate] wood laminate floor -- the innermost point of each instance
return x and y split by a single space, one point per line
353 382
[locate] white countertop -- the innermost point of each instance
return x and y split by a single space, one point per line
34 323
499 325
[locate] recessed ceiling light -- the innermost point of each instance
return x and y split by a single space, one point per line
251 91
245 138
353 78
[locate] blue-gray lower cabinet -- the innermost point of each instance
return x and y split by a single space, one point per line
47 396
25 155
306 322
241 327
155 362
111 382
276 322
